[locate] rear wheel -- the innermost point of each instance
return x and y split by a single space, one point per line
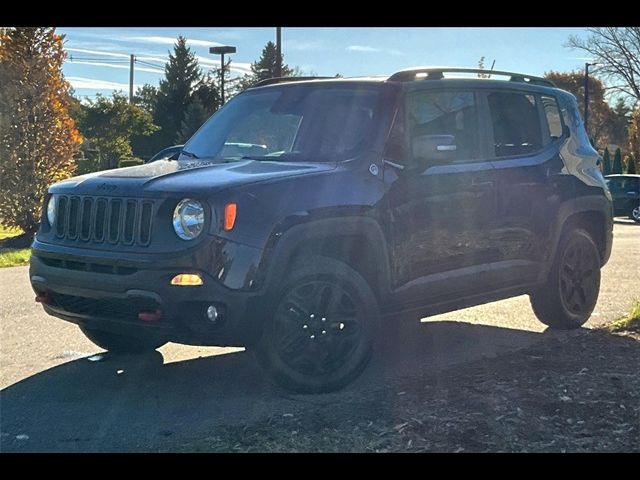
568 298
121 343
635 214
323 321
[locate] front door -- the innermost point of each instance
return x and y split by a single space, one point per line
440 214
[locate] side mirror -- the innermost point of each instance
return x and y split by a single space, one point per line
434 149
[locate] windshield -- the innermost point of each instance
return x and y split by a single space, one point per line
301 122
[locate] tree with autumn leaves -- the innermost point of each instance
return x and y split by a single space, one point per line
38 137
606 125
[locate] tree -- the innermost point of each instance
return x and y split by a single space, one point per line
110 124
631 165
146 97
619 123
600 113
38 137
606 162
195 116
265 67
634 138
482 67
616 50
182 76
617 162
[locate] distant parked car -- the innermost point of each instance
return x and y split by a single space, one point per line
169 153
625 190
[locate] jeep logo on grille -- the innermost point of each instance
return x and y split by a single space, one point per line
107 187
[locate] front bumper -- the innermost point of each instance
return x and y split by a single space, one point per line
101 293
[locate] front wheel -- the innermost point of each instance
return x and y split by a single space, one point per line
321 327
571 291
121 343
635 214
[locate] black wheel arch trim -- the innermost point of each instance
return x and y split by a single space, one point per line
597 204
282 245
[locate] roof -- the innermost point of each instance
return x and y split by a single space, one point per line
420 74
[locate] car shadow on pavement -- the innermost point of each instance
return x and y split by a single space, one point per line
122 403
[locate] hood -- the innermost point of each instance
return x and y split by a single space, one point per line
184 177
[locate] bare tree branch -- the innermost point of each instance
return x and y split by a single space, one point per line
616 50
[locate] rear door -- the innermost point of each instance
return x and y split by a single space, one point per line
526 134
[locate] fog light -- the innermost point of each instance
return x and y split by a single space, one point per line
212 313
187 280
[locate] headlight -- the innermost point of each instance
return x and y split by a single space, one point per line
51 210
188 219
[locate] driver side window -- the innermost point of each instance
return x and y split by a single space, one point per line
434 114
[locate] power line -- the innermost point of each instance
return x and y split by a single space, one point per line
151 65
95 59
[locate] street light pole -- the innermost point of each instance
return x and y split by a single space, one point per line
586 95
221 51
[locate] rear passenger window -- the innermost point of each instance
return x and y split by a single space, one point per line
552 114
516 125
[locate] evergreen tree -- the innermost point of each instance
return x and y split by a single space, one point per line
38 137
207 92
631 165
617 162
265 67
195 116
182 75
606 162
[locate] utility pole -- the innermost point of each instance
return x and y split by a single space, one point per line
131 63
278 72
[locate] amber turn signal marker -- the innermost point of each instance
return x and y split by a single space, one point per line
187 280
230 211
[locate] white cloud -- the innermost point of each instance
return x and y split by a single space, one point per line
241 67
160 40
95 84
363 48
111 65
304 46
369 49
98 52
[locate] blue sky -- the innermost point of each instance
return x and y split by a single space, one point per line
100 55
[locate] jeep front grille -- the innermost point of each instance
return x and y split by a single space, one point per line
125 221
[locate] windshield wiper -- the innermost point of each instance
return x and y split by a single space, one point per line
189 154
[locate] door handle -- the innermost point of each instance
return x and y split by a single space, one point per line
481 183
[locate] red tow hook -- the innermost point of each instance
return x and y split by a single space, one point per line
150 316
43 298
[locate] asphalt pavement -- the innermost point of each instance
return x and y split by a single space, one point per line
57 395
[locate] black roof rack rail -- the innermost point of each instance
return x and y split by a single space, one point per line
437 73
272 81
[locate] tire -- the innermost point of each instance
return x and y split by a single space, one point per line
635 214
321 327
570 294
121 343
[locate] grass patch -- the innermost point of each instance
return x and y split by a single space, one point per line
630 322
12 257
